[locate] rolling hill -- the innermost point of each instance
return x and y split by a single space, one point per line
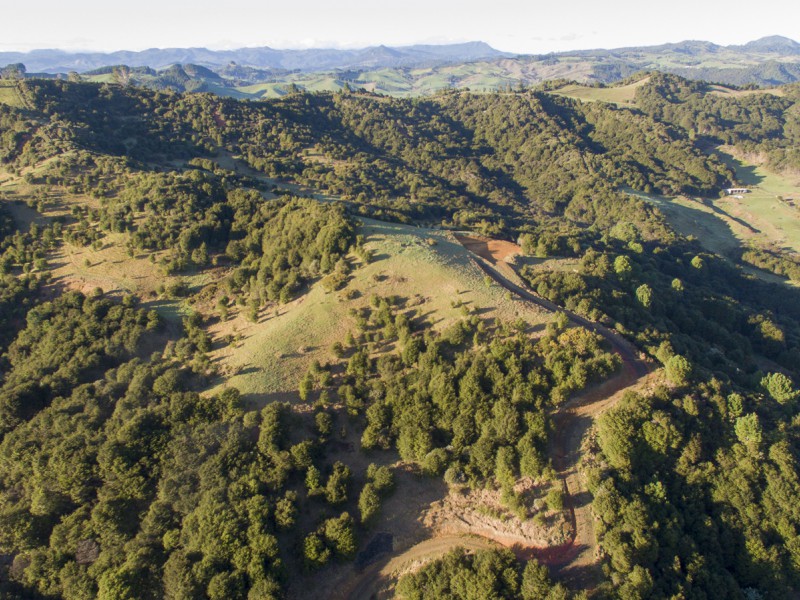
292 348
421 69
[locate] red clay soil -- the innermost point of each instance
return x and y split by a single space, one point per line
495 251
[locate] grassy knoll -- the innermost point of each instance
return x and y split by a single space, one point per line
622 94
426 267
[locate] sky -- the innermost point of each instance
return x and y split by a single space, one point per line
521 26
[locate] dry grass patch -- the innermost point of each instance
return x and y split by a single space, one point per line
426 268
620 94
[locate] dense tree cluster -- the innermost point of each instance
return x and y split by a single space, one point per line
280 245
695 494
675 299
23 262
773 260
478 576
763 123
463 157
471 403
64 344
118 481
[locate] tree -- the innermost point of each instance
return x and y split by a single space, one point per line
678 369
324 424
200 255
639 584
527 242
555 498
313 481
315 552
340 535
121 583
779 387
286 511
644 294
338 482
369 503
748 430
735 405
381 477
622 266
536 583
306 386
226 585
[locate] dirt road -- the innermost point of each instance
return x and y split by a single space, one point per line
574 562
367 584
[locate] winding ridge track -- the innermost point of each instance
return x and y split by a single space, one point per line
575 561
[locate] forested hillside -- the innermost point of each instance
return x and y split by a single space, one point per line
767 123
122 475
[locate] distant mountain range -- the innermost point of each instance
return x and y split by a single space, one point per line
419 69
775 44
59 61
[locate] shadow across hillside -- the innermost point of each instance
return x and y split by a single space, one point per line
745 174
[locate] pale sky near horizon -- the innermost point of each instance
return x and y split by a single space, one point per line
512 25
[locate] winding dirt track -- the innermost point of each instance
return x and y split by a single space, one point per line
574 562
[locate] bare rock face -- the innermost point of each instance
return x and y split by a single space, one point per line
87 552
482 512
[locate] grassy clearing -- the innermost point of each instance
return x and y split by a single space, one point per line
719 90
709 222
725 224
775 221
314 83
103 78
698 219
9 95
623 94
428 268
109 266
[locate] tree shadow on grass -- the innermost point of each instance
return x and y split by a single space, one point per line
745 173
579 577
